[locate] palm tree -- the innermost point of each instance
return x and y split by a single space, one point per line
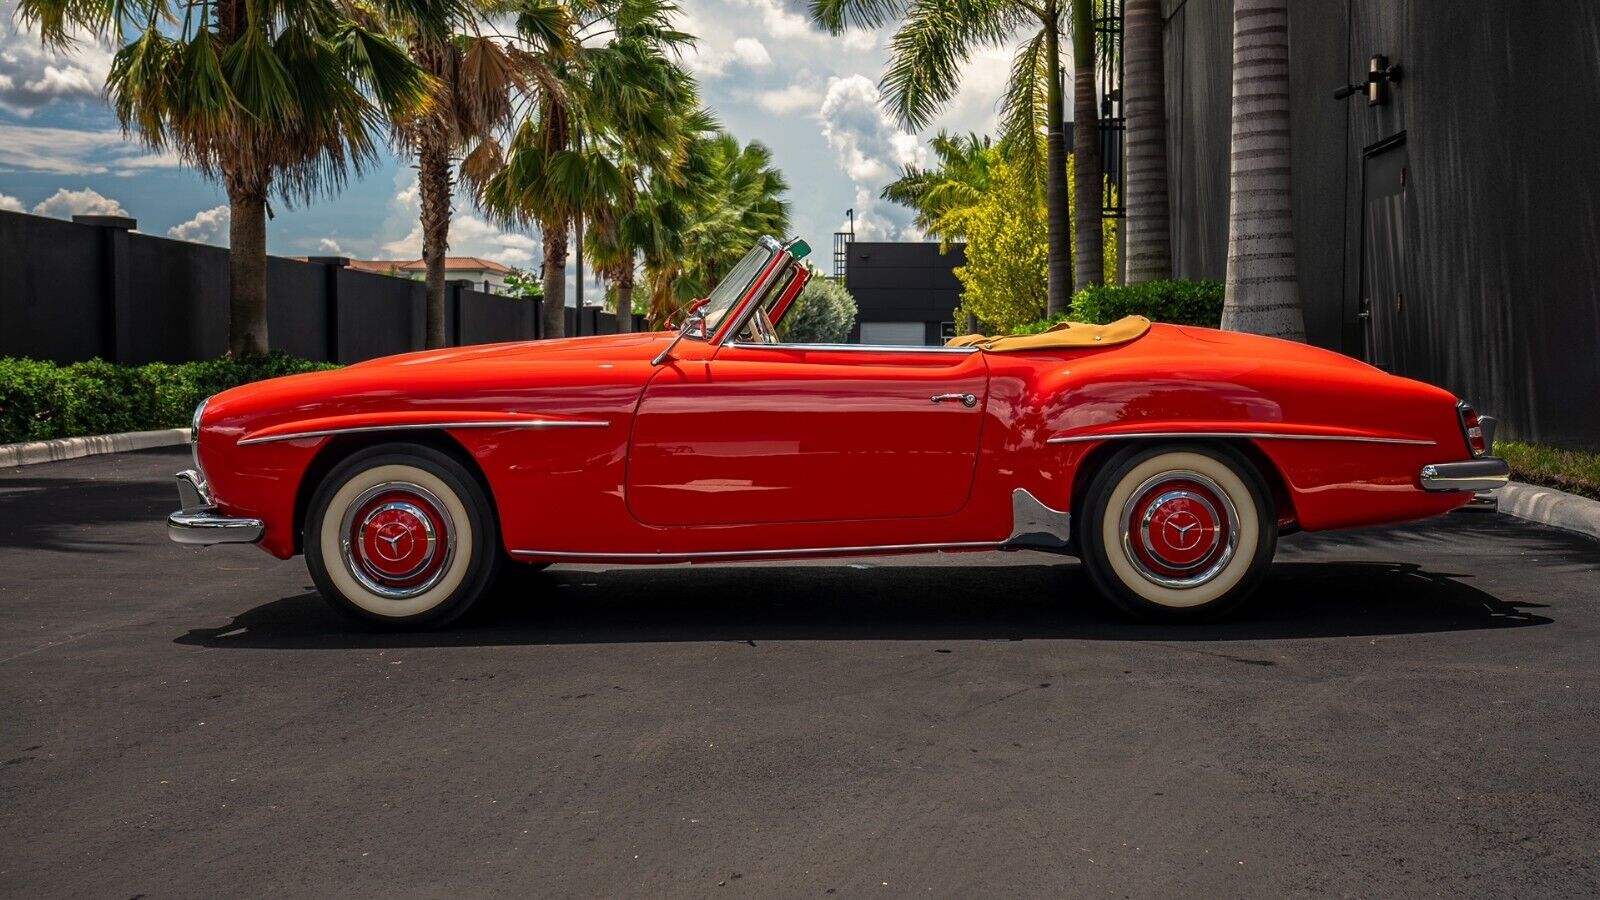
272 97
731 195
1147 238
936 36
476 84
610 59
958 181
1262 295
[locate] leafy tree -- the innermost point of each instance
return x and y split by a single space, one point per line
1005 280
524 285
959 180
271 97
824 313
936 36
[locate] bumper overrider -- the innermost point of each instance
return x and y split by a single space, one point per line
199 522
1482 474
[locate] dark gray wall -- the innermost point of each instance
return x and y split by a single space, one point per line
1501 237
71 291
904 282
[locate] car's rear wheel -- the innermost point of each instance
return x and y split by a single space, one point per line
401 536
1177 532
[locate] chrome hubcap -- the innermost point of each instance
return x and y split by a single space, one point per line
1179 529
397 540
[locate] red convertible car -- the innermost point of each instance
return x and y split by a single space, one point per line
1168 458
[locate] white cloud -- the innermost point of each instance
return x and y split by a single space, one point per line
65 204
470 235
870 149
788 100
209 226
752 53
67 151
8 202
330 247
33 76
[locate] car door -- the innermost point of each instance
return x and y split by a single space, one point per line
770 433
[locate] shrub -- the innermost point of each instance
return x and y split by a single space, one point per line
41 400
824 313
1178 302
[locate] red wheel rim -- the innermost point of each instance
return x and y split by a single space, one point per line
397 540
1179 529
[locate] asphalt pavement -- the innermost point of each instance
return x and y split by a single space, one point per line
1412 711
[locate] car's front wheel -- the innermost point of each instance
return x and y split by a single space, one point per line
1177 532
401 536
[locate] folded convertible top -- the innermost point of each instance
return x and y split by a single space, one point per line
1066 334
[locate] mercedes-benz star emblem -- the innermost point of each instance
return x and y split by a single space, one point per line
1183 530
390 537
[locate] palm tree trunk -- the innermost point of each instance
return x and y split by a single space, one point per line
433 183
624 285
1058 222
1147 235
577 270
247 267
555 279
1090 259
1262 294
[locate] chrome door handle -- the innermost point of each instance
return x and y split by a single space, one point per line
967 400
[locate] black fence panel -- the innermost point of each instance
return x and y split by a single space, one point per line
164 307
300 314
379 315
53 291
486 319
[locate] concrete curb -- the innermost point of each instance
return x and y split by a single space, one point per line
1548 506
32 452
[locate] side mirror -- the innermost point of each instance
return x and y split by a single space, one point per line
695 320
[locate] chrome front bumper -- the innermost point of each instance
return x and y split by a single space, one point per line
198 522
1482 474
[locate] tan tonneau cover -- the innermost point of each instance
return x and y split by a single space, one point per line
1066 334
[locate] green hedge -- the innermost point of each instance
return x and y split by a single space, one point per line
40 400
1178 302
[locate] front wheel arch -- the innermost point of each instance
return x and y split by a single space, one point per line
341 446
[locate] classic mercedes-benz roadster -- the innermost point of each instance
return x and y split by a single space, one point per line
1167 458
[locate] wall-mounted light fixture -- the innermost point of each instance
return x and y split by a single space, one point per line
1379 76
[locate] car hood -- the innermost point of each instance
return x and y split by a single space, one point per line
616 347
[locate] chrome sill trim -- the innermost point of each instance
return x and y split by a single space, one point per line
1035 525
876 348
1482 474
749 554
1259 435
419 426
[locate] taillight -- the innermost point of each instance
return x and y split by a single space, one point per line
1472 427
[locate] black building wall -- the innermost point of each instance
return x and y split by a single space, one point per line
904 282
1487 262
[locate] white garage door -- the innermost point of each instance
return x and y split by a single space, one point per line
894 333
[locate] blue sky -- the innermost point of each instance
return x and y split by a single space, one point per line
764 70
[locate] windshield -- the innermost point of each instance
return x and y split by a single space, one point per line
725 296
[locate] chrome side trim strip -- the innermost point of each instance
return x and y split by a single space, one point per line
749 554
876 348
417 426
1260 435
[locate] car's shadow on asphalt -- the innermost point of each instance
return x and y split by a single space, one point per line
840 602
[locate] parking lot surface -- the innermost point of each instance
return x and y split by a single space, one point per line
1407 711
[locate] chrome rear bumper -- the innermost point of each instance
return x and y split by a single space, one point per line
1481 474
198 522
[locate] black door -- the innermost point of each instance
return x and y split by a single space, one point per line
1384 256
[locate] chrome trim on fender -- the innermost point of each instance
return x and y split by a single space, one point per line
748 554
419 426
1481 474
1259 435
1035 526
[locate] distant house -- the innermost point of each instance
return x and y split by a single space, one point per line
485 274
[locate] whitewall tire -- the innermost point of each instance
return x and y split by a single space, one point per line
1177 532
401 536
